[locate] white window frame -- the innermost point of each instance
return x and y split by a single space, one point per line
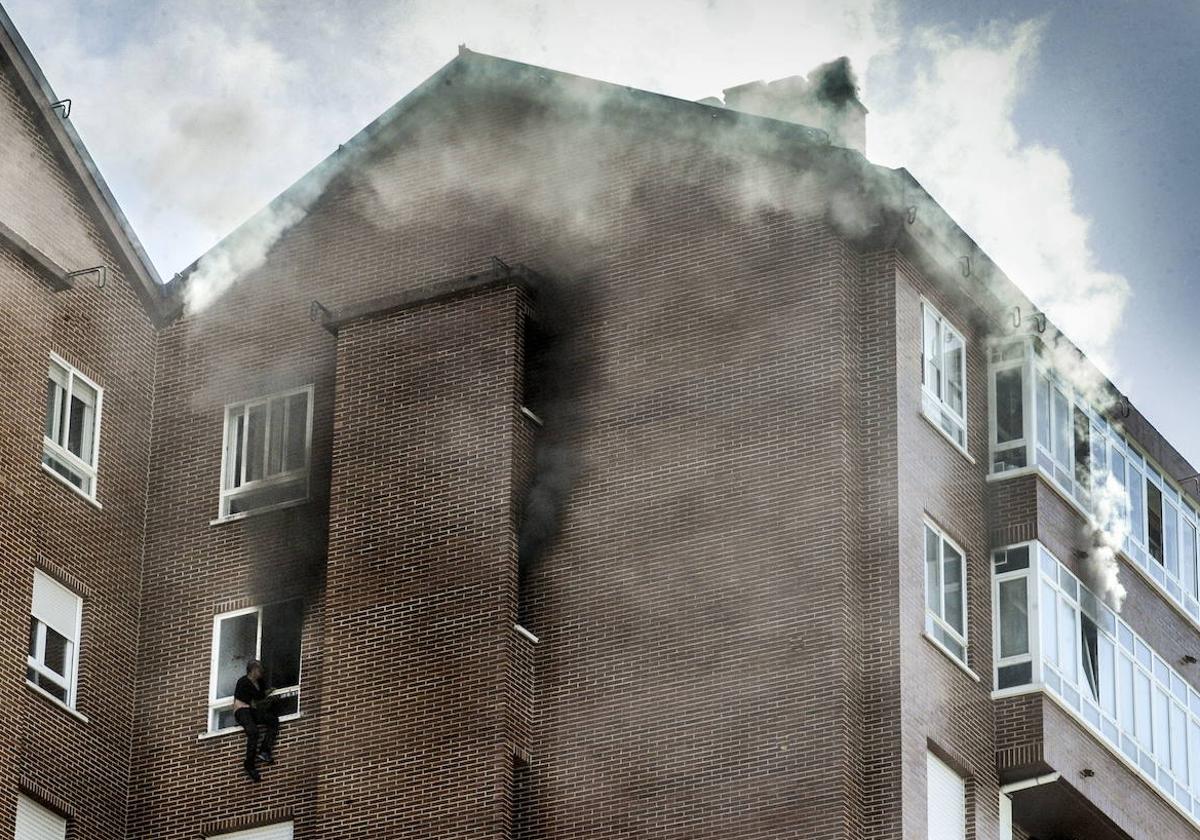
50 448
69 681
221 704
1001 360
933 394
1032 656
932 620
228 453
275 831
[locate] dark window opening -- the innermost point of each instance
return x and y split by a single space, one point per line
1091 654
1154 522
536 353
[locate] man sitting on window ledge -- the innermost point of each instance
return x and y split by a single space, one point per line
252 710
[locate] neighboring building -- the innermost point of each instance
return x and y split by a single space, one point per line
823 502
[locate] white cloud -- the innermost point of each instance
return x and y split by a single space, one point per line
954 130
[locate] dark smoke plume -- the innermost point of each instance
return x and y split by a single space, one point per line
556 368
834 82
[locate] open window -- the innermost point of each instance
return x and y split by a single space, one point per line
943 375
71 432
269 633
1154 522
267 446
54 624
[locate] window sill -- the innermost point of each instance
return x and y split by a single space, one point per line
958 662
41 692
528 634
246 514
71 487
237 730
962 450
533 417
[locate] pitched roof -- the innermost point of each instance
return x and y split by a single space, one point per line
135 263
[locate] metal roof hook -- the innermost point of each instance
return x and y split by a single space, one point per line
965 262
63 105
1039 322
100 271
1016 314
910 214
1126 408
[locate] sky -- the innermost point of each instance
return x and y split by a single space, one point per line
1061 136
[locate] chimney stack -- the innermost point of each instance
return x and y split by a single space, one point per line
827 99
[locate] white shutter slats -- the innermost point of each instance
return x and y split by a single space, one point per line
947 796
37 822
279 831
56 606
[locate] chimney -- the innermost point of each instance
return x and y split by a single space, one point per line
827 99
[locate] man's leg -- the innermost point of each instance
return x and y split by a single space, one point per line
268 723
245 719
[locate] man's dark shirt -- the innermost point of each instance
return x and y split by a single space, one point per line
248 692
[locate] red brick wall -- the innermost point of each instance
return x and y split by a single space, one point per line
81 767
421 581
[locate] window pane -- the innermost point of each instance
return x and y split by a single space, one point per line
57 649
1162 743
1154 524
1010 675
1014 617
1043 410
53 397
1049 624
952 581
282 624
278 411
1010 406
1136 507
954 372
82 421
1141 702
1108 676
1178 722
1068 650
237 446
1082 439
33 634
931 349
933 573
46 684
1187 559
1012 559
297 432
1171 539
1089 639
1062 428
237 644
256 441
1125 668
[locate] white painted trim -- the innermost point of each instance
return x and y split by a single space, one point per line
237 730
225 493
75 713
1036 781
962 450
958 662
532 416
218 703
246 514
70 486
526 633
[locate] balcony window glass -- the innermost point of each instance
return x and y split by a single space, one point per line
1014 617
1154 521
1008 394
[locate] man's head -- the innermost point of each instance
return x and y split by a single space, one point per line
254 669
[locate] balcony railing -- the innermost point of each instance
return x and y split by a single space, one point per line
1053 634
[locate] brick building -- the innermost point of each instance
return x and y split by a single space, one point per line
583 463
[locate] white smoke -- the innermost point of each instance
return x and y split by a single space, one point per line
954 129
1101 568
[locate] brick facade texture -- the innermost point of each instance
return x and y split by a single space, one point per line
731 621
